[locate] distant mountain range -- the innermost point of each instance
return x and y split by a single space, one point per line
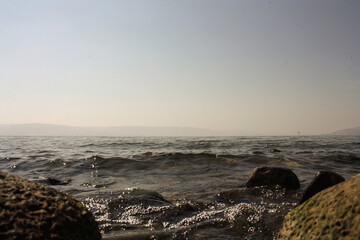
39 129
62 130
348 131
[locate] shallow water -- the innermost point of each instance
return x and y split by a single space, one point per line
178 188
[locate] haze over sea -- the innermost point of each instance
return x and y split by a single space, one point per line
254 67
178 187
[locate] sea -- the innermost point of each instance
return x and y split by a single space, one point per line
178 187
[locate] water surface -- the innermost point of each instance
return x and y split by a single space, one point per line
179 187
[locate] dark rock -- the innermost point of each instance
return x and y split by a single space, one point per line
323 180
54 181
274 150
271 176
34 211
333 213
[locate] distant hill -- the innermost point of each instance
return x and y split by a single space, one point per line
62 130
348 131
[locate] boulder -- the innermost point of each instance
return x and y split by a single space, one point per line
34 211
333 213
271 176
323 180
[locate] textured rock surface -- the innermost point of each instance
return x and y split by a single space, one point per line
34 211
270 176
323 180
331 214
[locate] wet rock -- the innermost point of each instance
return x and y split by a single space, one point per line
34 211
323 180
136 197
274 150
271 176
140 197
232 196
331 214
54 181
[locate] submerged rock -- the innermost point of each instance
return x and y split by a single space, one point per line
142 197
274 150
323 180
34 211
271 176
136 198
54 181
334 213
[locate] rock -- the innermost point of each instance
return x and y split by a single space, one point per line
271 176
141 197
34 211
274 150
54 181
144 197
135 197
323 180
334 213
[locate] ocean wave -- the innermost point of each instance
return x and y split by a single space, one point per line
282 160
341 157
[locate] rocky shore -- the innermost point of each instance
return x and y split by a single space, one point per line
329 207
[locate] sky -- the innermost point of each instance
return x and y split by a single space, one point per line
256 67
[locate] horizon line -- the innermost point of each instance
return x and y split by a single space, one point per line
205 132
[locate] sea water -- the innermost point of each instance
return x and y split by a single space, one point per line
178 187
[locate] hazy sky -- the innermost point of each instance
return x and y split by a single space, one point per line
264 67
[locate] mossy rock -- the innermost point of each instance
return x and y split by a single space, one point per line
34 211
333 213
